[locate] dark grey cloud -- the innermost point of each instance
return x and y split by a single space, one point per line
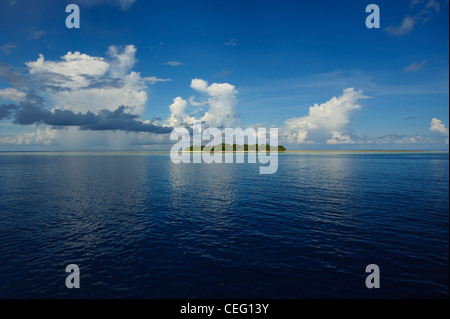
33 111
119 120
103 82
55 82
5 110
9 75
48 81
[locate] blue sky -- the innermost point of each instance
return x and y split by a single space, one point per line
234 63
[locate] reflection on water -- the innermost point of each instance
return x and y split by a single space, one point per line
141 226
214 183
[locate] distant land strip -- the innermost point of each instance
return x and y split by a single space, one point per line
234 148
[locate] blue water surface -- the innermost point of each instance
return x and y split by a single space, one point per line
139 226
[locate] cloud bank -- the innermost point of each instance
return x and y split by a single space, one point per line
33 111
93 96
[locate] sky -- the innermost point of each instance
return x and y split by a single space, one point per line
136 69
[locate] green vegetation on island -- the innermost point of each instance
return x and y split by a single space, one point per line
234 148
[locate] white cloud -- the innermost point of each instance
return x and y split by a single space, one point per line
74 72
437 126
193 102
415 66
39 137
122 62
231 42
324 121
154 79
199 85
395 139
339 138
406 27
173 63
178 115
221 103
12 94
81 83
130 94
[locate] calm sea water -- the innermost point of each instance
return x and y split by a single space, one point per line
140 226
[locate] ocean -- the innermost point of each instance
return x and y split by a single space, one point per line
139 226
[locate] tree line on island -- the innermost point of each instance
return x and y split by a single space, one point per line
234 148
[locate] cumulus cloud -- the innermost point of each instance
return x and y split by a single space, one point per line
221 102
216 107
90 101
178 116
82 83
437 126
74 71
122 62
12 95
325 121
